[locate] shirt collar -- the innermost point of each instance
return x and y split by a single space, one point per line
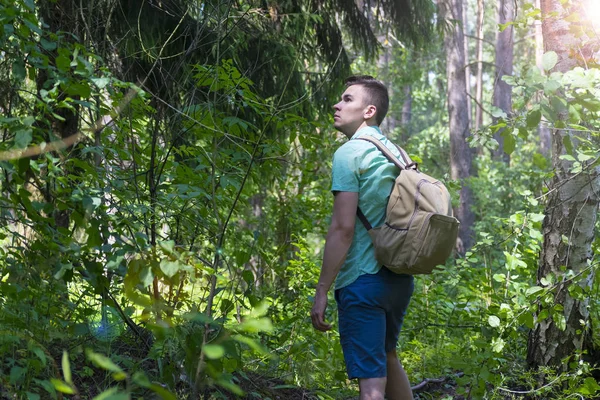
367 130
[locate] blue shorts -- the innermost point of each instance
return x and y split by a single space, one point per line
370 313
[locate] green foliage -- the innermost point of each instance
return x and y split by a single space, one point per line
177 241
563 101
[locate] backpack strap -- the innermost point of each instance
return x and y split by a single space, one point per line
388 154
363 219
407 160
408 163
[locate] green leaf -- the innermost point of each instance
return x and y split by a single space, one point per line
535 217
568 144
498 345
502 27
527 320
47 44
106 363
66 367
534 118
560 107
61 386
549 60
32 396
100 82
256 325
560 321
546 280
253 344
213 351
81 329
589 387
170 268
141 379
18 70
540 161
498 113
494 321
551 86
534 290
416 159
79 89
112 394
63 63
91 203
523 133
39 353
248 277
582 157
162 392
567 157
146 276
168 246
16 373
47 386
509 142
230 386
23 138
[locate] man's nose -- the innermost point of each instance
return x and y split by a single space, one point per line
336 107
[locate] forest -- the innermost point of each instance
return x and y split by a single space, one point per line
165 176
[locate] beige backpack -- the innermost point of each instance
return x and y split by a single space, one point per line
419 232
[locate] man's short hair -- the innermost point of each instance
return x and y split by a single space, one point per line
377 93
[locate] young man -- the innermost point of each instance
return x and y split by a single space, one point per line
371 300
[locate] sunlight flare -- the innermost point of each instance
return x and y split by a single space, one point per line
592 10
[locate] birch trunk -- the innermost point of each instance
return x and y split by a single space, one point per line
467 63
461 155
479 55
504 66
569 222
543 130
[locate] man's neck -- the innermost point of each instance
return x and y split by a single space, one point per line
363 125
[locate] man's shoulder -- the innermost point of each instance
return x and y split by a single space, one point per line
352 148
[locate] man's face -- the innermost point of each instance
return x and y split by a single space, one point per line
350 111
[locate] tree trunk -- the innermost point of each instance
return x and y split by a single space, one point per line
406 113
568 227
461 154
60 16
504 66
479 56
544 131
390 122
467 62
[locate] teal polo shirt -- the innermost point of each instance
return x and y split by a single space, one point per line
359 167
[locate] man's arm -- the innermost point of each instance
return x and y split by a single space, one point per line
339 239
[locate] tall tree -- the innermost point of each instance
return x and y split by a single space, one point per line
479 57
407 110
502 97
465 21
461 155
544 131
570 219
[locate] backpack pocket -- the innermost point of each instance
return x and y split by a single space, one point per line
434 243
389 246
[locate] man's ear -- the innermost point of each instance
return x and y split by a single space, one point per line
370 111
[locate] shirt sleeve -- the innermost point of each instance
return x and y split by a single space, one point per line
346 169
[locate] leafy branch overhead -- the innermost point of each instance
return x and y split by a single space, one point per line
165 194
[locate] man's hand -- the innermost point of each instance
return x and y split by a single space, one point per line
317 314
